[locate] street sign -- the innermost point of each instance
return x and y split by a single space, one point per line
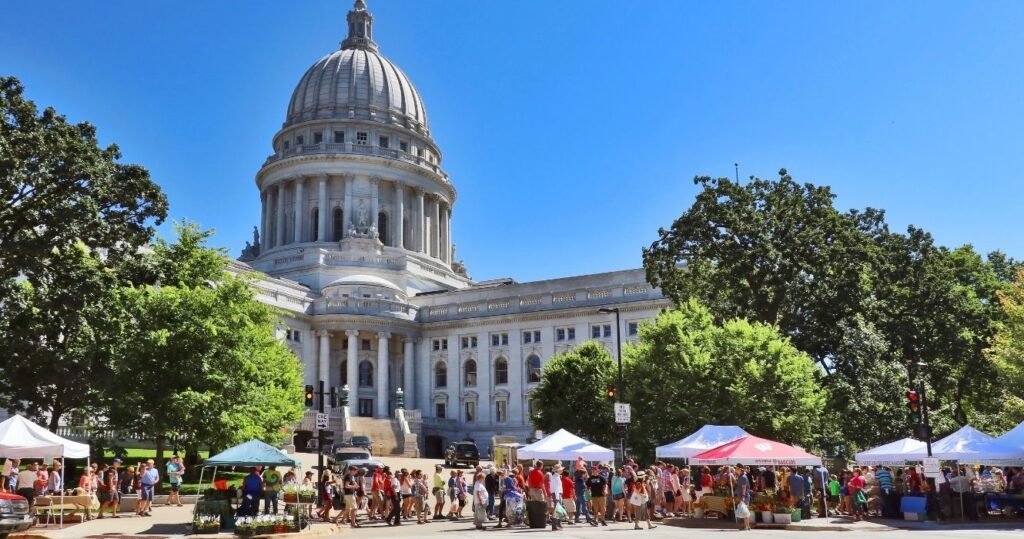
932 468
321 420
621 412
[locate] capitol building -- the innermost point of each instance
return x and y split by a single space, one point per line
355 244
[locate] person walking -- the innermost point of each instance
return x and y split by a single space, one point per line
392 487
555 490
148 481
108 494
598 487
175 472
639 500
326 493
743 498
349 490
438 490
480 498
618 487
271 487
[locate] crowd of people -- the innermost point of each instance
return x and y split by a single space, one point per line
105 483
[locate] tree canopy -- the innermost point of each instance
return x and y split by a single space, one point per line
572 393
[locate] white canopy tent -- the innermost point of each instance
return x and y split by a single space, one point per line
1014 437
707 437
21 438
892 454
975 447
563 445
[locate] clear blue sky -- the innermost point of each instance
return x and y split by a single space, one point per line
572 129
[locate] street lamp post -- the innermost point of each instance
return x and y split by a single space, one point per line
620 397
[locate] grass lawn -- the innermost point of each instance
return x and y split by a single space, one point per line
233 478
136 455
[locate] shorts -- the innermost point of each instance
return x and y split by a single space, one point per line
451 495
619 496
670 497
146 493
350 501
439 495
175 487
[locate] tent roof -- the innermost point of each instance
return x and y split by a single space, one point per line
707 437
251 453
21 438
563 445
975 447
894 453
753 450
1014 437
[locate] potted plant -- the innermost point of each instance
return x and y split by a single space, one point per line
244 527
765 510
796 513
782 514
307 494
290 493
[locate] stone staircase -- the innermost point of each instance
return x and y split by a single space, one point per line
387 436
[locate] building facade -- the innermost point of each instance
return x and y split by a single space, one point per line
355 243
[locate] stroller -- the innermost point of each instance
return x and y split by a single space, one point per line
515 509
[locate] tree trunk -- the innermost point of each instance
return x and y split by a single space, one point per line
55 415
159 451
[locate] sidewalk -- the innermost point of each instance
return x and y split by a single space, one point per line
846 524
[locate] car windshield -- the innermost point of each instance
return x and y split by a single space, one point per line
466 448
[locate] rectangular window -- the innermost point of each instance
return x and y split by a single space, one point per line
527 337
499 339
419 152
470 411
296 336
632 328
286 145
436 345
439 410
536 336
468 342
500 411
299 140
364 344
560 334
404 146
382 142
565 334
339 137
570 334
598 331
607 331
361 137
318 138
365 407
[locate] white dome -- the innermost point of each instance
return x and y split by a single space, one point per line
365 280
357 82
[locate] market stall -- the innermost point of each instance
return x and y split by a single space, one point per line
21 438
564 445
895 453
707 437
215 510
753 451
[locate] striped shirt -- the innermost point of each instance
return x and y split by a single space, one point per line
884 478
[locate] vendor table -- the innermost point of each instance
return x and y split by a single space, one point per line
718 504
83 503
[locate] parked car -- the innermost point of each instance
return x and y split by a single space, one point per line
345 452
462 453
364 442
14 515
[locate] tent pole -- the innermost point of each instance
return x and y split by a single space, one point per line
199 487
61 493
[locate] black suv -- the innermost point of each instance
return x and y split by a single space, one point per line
462 453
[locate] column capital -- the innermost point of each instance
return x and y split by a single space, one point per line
351 333
323 176
347 176
322 333
375 179
410 339
383 335
419 190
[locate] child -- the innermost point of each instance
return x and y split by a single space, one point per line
833 492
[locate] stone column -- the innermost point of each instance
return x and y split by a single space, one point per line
382 373
399 215
408 386
349 182
425 378
279 215
300 215
421 222
435 232
448 234
322 211
375 205
264 199
352 367
484 369
325 357
516 371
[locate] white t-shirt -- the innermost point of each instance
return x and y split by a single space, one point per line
555 484
480 493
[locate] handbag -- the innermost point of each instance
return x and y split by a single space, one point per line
742 511
637 499
560 511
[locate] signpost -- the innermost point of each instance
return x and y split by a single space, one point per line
932 469
622 412
321 420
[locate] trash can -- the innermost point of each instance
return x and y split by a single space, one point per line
537 513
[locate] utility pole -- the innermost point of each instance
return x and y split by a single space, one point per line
618 385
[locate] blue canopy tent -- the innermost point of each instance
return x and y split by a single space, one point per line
251 453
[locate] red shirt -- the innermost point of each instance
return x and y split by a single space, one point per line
388 491
856 484
378 481
567 488
535 479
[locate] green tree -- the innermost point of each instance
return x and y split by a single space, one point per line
59 188
200 353
686 371
572 394
1007 352
776 252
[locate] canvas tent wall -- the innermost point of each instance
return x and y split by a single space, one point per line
563 445
21 438
707 437
972 446
892 454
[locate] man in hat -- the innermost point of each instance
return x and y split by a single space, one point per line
555 489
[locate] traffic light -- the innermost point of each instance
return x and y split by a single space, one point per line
326 440
922 432
914 407
334 397
309 396
611 392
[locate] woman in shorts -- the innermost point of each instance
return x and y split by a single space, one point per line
453 496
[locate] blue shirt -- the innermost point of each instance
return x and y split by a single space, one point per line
884 478
150 477
796 485
743 488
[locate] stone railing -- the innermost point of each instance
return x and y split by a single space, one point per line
357 149
363 306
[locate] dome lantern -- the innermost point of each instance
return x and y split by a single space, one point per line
360 29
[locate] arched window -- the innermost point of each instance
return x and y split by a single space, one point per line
344 372
338 228
440 375
501 371
314 224
382 228
365 374
533 369
469 377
